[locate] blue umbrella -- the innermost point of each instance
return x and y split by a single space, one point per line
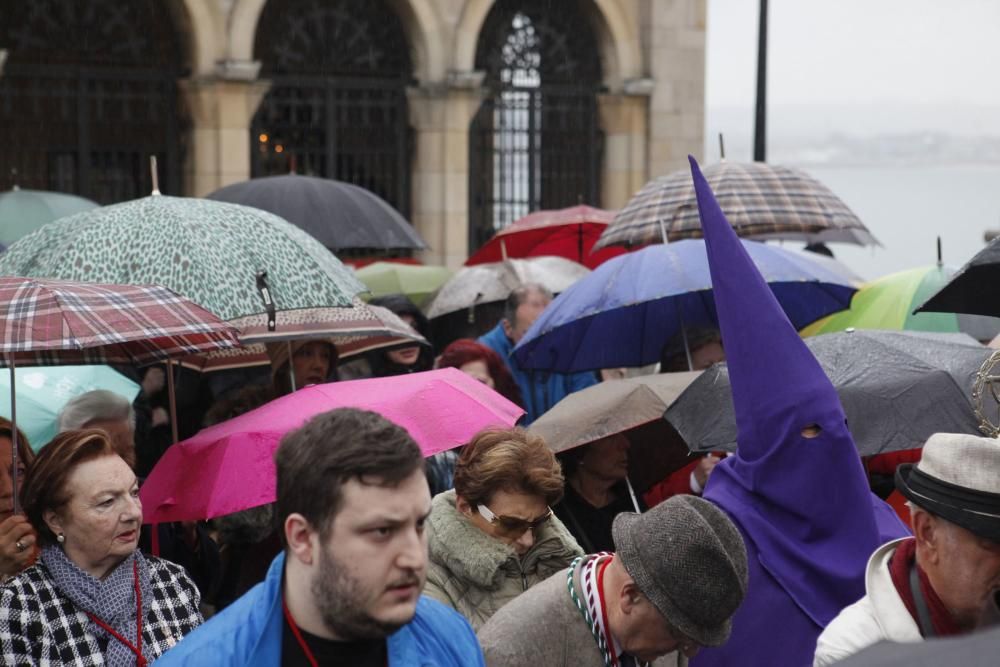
626 310
42 391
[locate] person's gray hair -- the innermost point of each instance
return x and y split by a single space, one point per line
96 405
519 295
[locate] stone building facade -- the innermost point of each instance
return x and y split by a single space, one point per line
463 114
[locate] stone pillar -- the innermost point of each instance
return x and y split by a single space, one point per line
440 114
624 121
222 107
677 64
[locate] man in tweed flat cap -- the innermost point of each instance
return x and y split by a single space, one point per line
936 583
677 577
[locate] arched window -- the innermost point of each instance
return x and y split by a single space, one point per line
536 142
337 107
88 93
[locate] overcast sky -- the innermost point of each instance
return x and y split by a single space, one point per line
942 56
865 67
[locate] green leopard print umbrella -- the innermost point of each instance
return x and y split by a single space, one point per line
209 251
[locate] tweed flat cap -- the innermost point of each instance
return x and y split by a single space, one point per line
688 558
958 479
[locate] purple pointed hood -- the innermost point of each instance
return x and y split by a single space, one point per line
804 502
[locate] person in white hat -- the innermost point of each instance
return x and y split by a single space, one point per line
936 583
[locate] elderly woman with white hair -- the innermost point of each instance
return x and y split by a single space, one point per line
107 411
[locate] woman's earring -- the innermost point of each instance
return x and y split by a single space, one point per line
60 538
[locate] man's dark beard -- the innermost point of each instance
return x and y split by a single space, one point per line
340 601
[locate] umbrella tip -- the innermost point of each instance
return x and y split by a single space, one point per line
155 176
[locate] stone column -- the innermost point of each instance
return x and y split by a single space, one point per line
624 121
677 64
440 114
222 107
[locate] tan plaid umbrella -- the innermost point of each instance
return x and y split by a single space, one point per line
760 200
360 328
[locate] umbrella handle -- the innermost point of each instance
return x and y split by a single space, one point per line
265 294
172 397
13 439
631 492
684 337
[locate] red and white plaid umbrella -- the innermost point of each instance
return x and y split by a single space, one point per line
47 322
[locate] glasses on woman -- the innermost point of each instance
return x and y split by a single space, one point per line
512 526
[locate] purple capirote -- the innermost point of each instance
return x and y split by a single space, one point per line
802 504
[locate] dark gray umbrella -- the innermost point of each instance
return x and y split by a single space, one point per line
897 388
340 215
978 650
975 289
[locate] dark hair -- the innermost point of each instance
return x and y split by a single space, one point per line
281 377
24 452
519 295
242 401
507 460
315 461
465 350
379 360
45 484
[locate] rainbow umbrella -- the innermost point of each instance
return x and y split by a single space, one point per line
889 302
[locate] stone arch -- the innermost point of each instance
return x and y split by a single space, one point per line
619 45
242 30
196 18
426 37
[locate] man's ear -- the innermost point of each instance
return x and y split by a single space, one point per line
507 328
301 538
927 532
629 597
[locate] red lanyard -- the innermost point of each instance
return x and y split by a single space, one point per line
302 642
604 611
137 647
298 635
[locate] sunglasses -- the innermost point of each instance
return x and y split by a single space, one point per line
512 526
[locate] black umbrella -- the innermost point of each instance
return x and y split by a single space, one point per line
340 215
897 388
975 289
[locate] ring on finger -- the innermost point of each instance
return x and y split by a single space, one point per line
21 546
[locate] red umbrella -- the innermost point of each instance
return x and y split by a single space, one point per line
569 232
54 322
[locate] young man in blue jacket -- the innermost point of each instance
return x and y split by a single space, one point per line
353 501
540 389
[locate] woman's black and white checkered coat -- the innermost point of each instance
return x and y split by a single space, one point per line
40 626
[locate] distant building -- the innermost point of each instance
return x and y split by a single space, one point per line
463 114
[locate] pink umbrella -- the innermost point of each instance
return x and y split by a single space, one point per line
230 466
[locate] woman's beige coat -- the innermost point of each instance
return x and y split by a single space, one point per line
476 574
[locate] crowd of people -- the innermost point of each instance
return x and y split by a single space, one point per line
503 553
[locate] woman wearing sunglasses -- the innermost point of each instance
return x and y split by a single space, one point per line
494 535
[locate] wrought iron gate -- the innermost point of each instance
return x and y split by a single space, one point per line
535 142
337 107
88 94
